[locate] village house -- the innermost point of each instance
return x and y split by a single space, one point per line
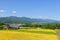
11 26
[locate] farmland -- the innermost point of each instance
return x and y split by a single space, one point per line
28 34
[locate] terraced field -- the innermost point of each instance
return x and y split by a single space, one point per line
28 34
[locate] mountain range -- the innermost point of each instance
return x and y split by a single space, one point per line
25 20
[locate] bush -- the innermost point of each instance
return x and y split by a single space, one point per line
1 27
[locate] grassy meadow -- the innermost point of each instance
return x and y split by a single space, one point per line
28 34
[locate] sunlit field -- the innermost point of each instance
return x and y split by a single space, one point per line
28 34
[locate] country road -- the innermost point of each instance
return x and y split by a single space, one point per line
58 33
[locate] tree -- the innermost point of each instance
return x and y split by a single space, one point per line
1 26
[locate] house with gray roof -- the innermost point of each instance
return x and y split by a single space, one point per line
12 26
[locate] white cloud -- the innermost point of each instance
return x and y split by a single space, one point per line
1 11
13 11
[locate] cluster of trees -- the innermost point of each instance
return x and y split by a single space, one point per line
1 26
44 26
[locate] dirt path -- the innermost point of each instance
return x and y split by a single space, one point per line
58 33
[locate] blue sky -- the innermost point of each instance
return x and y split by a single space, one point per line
45 9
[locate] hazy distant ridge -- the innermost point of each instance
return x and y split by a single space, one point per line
13 19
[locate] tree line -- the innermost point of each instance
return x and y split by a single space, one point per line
43 26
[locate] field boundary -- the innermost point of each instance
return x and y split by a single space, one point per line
58 33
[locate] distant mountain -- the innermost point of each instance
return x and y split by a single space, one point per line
25 20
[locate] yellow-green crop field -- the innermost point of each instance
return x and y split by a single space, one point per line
28 34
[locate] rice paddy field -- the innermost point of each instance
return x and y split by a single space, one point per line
28 34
